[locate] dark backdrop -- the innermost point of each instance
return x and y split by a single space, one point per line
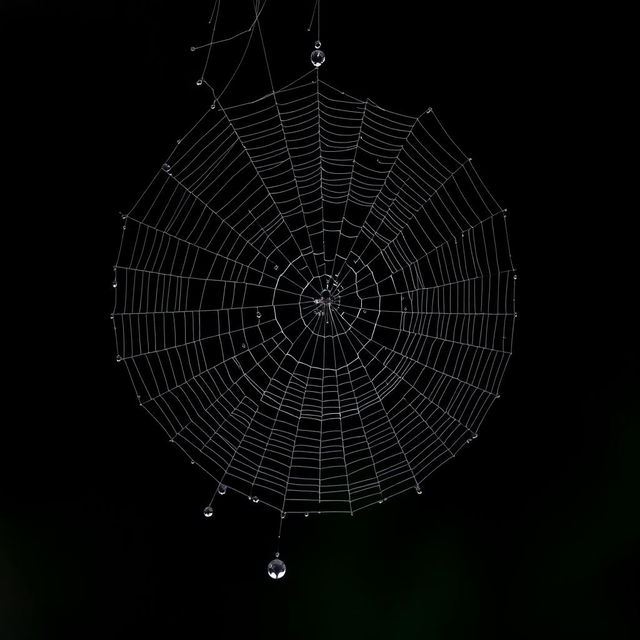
527 534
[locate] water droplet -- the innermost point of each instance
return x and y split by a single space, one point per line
306 515
199 82
222 489
255 499
276 569
244 346
208 511
118 358
317 57
258 315
515 277
193 48
192 461
166 167
275 267
114 285
317 44
419 491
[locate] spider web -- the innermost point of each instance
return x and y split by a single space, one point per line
315 298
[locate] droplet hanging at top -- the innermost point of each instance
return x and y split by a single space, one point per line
317 57
276 569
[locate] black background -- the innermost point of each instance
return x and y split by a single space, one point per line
529 533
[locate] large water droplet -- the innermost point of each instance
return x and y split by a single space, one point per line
317 57
276 569
208 512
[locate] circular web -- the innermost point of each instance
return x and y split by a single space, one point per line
315 298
